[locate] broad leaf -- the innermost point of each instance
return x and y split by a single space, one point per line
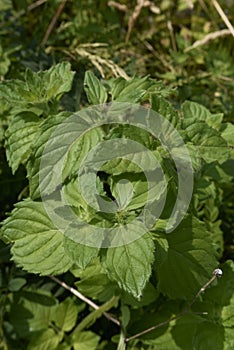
37 89
206 141
32 311
38 245
200 113
94 283
33 166
130 265
189 262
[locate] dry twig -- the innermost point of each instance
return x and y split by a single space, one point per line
223 16
216 273
207 38
86 300
53 22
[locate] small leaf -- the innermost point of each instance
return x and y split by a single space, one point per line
85 341
130 265
16 284
95 91
65 315
130 90
46 340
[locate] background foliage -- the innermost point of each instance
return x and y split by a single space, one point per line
187 49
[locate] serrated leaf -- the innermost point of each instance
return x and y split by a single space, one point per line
206 141
20 136
37 89
38 245
164 108
94 282
95 91
190 260
130 265
200 113
85 340
44 85
227 132
65 315
80 254
33 166
130 90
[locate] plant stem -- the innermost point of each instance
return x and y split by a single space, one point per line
86 300
216 273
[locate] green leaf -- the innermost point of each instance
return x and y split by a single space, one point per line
95 91
33 166
65 315
200 113
227 130
52 83
130 265
94 282
190 260
130 90
164 108
37 88
20 137
80 254
38 245
16 284
31 311
206 141
85 341
46 340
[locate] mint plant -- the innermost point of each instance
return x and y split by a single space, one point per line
147 279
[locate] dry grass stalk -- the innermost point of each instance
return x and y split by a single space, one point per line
99 62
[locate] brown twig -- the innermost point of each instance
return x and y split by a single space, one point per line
216 273
86 300
53 22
